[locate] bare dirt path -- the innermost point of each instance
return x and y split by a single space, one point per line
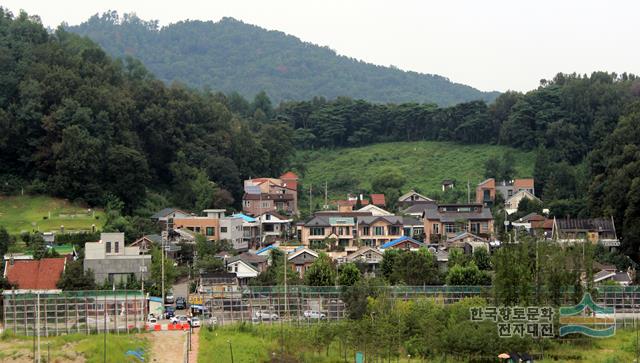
167 346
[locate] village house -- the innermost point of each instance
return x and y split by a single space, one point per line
40 275
110 260
448 184
301 259
271 195
511 204
403 243
324 227
351 203
274 227
166 216
486 190
412 198
594 230
447 220
246 266
374 210
232 230
208 225
374 231
368 257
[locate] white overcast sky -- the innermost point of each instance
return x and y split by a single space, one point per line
488 44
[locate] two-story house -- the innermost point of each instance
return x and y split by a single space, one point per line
447 220
271 195
486 190
323 227
110 260
374 231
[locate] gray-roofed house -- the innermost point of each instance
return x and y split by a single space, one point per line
447 220
322 227
165 217
301 259
368 257
411 198
417 210
111 261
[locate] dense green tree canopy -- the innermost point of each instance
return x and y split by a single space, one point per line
79 125
232 56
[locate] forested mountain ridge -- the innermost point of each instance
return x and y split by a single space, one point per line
76 124
230 55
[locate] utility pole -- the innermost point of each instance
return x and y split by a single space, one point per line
310 198
326 197
38 325
162 252
468 191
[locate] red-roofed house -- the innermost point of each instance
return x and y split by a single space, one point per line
378 200
35 274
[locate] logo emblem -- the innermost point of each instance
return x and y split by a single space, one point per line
587 318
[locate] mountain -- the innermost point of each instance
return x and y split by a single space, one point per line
230 55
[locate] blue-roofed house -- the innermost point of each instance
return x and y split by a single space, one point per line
404 242
250 230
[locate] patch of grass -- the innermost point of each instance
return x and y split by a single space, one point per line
248 346
423 164
262 344
29 213
66 348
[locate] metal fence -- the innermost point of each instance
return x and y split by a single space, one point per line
125 310
73 312
309 304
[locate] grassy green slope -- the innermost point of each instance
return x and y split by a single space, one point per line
26 213
424 165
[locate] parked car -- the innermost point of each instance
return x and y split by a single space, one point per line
169 312
266 315
313 314
181 303
183 319
168 298
195 322
152 320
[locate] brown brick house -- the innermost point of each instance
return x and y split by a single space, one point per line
447 220
271 195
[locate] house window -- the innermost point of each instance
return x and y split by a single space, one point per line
267 217
265 205
378 231
510 192
418 231
223 229
394 230
365 231
475 227
407 231
197 229
108 248
317 231
436 228
450 227
116 247
211 231
484 227
247 203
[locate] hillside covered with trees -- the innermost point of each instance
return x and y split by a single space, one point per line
79 125
230 55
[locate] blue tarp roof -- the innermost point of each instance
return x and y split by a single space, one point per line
245 217
265 249
400 240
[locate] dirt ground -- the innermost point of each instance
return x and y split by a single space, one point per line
167 346
22 352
